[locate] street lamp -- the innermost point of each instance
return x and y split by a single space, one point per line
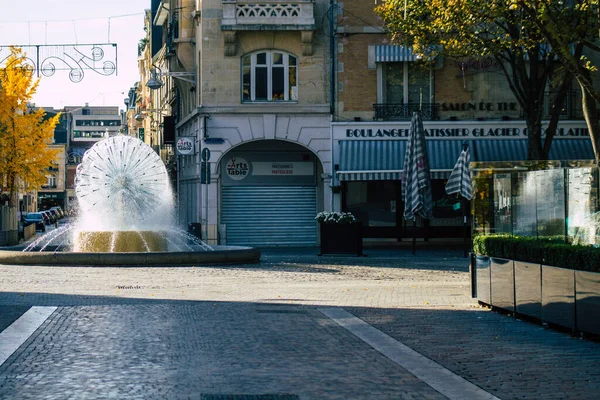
156 83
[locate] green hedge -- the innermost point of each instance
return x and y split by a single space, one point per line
548 251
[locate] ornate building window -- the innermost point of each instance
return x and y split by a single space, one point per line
269 76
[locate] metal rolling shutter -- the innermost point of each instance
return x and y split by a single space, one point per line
269 215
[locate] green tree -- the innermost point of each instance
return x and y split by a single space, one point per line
499 29
24 135
572 29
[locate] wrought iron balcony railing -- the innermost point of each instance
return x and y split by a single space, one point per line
404 112
262 14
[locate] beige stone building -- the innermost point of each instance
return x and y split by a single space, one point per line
246 84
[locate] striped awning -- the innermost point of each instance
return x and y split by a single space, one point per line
516 149
394 53
500 150
571 149
371 160
380 160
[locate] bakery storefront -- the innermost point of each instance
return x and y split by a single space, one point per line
368 159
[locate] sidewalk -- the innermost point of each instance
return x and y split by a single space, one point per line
277 327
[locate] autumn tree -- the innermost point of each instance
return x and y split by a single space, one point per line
24 134
499 29
572 29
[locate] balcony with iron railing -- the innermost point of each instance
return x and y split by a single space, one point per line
571 110
268 15
172 34
265 14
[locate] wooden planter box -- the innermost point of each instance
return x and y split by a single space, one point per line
341 239
587 300
558 296
502 277
528 289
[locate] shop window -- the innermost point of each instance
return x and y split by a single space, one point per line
269 76
374 203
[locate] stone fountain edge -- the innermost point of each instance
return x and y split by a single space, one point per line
221 255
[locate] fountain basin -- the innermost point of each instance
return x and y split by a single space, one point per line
220 255
120 241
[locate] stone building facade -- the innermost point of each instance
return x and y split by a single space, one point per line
378 86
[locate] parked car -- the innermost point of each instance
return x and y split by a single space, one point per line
55 214
51 219
37 219
59 210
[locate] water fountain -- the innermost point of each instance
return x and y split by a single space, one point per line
125 217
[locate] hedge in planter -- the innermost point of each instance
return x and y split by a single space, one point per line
542 251
569 278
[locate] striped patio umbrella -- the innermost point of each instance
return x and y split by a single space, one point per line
416 183
460 178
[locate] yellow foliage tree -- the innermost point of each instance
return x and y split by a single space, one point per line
24 134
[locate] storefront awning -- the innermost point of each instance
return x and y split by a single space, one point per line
371 160
368 160
394 53
376 160
571 149
500 150
516 150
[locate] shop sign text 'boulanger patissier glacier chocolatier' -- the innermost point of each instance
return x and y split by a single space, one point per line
459 132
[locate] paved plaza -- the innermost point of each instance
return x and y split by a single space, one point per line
390 325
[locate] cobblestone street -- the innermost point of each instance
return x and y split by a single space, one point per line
387 326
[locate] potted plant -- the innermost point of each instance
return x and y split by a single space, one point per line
341 233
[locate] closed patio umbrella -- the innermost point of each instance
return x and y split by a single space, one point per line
459 183
416 182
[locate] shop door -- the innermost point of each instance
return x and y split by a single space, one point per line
263 216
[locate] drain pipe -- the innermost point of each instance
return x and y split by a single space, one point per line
332 81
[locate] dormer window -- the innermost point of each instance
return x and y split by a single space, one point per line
269 76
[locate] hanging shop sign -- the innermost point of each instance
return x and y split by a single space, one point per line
185 145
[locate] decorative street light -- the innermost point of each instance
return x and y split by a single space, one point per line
156 83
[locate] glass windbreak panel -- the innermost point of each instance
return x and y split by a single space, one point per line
583 222
482 202
278 83
293 87
502 204
550 190
277 59
372 202
524 205
260 85
246 86
394 83
261 59
419 83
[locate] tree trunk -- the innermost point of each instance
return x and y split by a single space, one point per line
559 100
590 113
535 149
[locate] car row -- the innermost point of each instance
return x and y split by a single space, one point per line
44 217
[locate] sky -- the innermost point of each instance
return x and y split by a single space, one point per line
58 22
